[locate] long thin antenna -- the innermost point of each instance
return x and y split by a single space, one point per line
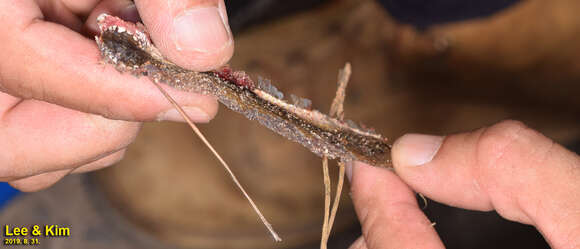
202 137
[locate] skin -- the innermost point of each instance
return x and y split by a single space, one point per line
507 167
62 111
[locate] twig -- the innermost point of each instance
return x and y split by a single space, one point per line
202 137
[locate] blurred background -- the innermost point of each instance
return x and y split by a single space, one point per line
418 66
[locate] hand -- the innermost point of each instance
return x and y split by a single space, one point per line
62 111
507 167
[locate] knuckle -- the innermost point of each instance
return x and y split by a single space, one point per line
508 155
495 143
512 145
494 150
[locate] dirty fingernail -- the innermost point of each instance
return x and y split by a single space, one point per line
201 29
416 149
196 115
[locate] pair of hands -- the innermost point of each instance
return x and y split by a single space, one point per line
62 112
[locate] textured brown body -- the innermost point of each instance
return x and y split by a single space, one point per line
133 52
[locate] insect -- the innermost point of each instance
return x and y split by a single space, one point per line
128 47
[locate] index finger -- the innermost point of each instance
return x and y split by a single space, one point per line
49 62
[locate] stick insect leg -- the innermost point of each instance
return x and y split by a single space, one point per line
336 110
325 225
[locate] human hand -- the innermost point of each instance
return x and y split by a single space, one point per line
62 111
507 167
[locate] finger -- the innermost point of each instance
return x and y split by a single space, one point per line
46 61
192 33
388 211
359 243
104 162
39 182
101 163
38 137
508 167
45 180
79 8
58 12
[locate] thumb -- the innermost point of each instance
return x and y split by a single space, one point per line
194 34
508 167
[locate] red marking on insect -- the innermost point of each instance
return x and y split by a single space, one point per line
239 78
225 73
105 21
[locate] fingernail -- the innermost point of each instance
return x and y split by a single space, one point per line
416 149
129 13
194 113
348 170
201 29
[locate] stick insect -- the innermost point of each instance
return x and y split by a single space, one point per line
128 47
